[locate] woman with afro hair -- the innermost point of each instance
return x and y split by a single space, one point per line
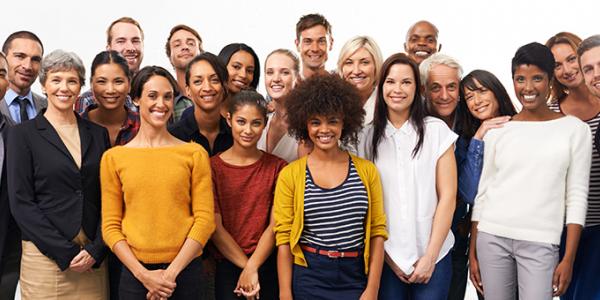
329 219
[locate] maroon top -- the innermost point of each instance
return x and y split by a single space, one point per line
244 197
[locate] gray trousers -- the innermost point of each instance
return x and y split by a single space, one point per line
507 263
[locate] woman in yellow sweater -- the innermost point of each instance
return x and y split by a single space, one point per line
157 200
328 206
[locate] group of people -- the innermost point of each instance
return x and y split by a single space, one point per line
387 178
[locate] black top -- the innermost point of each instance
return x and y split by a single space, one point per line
51 198
187 130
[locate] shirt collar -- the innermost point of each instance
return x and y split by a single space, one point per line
406 128
130 121
10 96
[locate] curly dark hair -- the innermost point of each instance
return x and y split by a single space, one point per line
325 95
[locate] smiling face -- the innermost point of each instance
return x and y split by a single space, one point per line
359 70
481 101
566 69
110 86
421 42
532 86
442 91
184 47
24 57
325 131
314 44
156 102
399 87
247 124
590 67
241 71
280 77
204 87
127 40
62 89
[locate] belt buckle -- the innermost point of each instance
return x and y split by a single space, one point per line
334 254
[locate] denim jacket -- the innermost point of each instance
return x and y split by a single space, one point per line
469 163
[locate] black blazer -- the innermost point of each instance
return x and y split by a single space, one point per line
50 198
7 224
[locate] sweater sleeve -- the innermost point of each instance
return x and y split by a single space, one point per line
487 174
378 219
578 175
283 206
202 199
112 201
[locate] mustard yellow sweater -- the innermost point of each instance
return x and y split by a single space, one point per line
155 198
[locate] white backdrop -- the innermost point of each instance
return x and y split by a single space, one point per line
480 34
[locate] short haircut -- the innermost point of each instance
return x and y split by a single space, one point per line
217 66
60 60
228 51
128 20
248 97
353 45
23 34
137 87
557 89
310 21
588 44
325 95
288 53
410 29
438 59
185 28
467 124
537 55
110 57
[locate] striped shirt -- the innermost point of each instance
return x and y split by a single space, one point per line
593 211
335 218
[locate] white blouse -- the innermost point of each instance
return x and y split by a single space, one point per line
286 148
409 186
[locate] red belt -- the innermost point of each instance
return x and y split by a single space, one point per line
330 253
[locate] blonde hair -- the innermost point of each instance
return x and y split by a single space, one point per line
353 45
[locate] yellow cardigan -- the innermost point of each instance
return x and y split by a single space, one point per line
289 206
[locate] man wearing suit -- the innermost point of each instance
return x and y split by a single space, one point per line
24 52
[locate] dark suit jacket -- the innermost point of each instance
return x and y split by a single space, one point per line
39 101
6 220
50 198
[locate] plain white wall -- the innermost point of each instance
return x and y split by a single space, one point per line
480 34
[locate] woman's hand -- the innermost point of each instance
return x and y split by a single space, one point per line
248 285
474 273
423 269
403 277
488 124
562 277
158 287
82 262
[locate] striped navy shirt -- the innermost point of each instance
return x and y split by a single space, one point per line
335 218
593 211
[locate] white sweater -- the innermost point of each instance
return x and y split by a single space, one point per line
533 174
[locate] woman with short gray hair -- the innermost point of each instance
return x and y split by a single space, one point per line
54 190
